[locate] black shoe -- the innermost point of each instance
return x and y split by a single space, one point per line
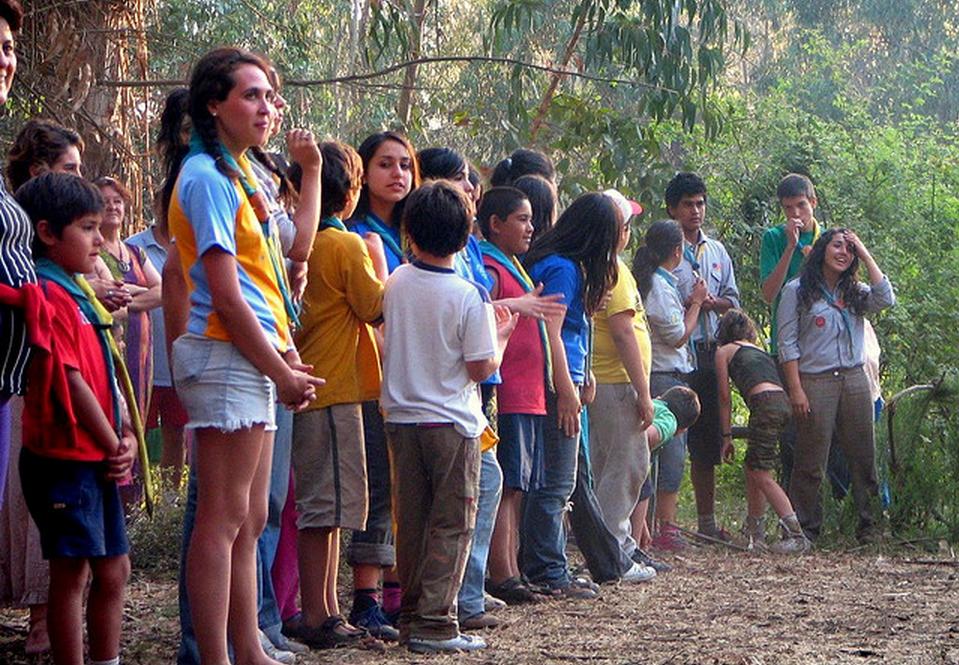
639 556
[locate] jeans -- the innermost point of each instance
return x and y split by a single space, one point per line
188 653
605 558
269 615
470 599
543 551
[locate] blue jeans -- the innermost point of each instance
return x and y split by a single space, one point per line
189 653
543 552
470 599
269 614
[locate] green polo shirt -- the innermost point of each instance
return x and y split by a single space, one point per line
770 251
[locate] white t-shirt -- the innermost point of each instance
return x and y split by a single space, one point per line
435 322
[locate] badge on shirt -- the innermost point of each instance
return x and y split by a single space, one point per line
820 321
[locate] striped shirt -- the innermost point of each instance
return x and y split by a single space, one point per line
16 269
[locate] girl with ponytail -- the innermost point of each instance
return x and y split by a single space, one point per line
237 353
670 325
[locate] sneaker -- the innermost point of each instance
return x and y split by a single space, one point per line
492 603
573 591
584 582
643 557
791 544
638 573
454 644
375 622
669 539
279 655
481 621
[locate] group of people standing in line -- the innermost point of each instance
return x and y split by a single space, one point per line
369 339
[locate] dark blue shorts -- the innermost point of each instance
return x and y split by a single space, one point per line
77 510
519 437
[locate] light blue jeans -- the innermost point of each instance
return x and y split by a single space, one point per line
470 598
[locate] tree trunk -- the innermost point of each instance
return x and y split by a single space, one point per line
404 106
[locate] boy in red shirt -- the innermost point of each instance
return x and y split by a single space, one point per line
76 441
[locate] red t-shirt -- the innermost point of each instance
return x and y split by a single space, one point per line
523 370
75 345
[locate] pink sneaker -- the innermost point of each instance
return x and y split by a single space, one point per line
669 539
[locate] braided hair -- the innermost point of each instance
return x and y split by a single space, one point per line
212 80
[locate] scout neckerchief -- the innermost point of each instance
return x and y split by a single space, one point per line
806 247
694 262
332 223
94 312
841 308
512 265
380 229
261 208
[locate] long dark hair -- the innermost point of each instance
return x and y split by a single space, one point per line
662 239
40 142
366 150
812 282
212 80
736 326
171 147
587 233
440 163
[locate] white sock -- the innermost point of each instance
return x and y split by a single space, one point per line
112 661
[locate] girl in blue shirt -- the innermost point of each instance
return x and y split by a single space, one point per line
576 258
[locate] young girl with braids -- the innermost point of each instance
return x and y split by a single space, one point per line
821 318
237 352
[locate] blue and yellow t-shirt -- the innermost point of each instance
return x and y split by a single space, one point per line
209 210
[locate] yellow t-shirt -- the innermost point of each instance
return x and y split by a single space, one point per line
343 295
607 365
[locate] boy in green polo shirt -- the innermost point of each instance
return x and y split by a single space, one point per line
785 246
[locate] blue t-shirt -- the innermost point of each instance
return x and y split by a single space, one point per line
373 224
560 275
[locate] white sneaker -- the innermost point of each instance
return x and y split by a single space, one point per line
459 643
639 573
279 655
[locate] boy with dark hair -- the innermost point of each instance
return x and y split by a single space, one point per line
343 297
785 246
442 337
704 259
77 440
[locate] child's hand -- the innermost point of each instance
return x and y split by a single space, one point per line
505 322
568 406
588 392
119 464
298 387
302 148
538 306
728 451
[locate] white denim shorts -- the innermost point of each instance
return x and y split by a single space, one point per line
219 387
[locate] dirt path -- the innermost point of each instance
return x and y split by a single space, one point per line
716 606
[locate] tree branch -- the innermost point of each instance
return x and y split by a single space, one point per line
307 83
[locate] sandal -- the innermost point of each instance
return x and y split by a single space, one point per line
513 592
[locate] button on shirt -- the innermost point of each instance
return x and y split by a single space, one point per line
665 312
819 337
716 268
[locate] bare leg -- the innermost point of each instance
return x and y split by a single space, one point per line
68 580
639 527
769 489
314 547
504 546
704 486
667 504
105 605
232 478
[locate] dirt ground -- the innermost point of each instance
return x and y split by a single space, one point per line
716 606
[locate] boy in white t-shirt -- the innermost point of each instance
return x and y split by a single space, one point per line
442 337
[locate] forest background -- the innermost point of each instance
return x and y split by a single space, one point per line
861 95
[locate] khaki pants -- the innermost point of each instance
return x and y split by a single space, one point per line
840 402
619 455
435 480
